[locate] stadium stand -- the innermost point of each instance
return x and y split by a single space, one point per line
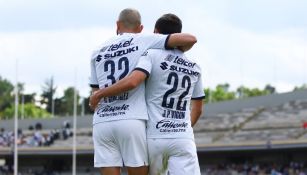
255 127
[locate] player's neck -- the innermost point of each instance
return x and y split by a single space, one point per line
127 31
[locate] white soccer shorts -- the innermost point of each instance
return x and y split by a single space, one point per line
120 143
172 157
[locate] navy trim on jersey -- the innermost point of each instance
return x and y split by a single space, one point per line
165 44
94 85
143 70
199 98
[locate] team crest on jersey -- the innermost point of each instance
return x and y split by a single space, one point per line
169 58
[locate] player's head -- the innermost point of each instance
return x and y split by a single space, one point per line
168 24
129 21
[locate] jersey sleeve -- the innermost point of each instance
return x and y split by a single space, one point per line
145 63
93 78
156 41
198 92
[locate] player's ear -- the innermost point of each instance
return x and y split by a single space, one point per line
141 28
156 31
117 27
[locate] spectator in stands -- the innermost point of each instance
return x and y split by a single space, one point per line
51 137
38 126
2 139
38 138
66 124
20 137
2 131
293 168
66 132
30 128
9 138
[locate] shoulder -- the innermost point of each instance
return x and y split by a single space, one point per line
149 35
162 51
104 46
154 52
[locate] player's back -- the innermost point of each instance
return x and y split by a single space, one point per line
169 89
114 60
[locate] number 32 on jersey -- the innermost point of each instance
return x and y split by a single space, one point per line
111 67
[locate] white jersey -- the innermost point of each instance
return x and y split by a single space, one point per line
114 60
173 80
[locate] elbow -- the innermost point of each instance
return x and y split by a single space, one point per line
199 112
132 85
192 40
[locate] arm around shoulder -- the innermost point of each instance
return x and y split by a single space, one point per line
180 40
128 83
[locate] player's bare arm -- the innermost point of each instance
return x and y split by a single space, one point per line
126 84
183 41
184 48
136 77
197 107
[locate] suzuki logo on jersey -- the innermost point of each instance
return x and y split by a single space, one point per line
98 58
184 70
115 47
120 49
164 65
121 52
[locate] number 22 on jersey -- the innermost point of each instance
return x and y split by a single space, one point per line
174 81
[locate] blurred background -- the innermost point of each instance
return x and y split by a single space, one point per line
254 66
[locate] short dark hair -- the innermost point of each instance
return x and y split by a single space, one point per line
168 24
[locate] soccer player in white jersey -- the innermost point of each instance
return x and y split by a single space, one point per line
172 81
119 129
